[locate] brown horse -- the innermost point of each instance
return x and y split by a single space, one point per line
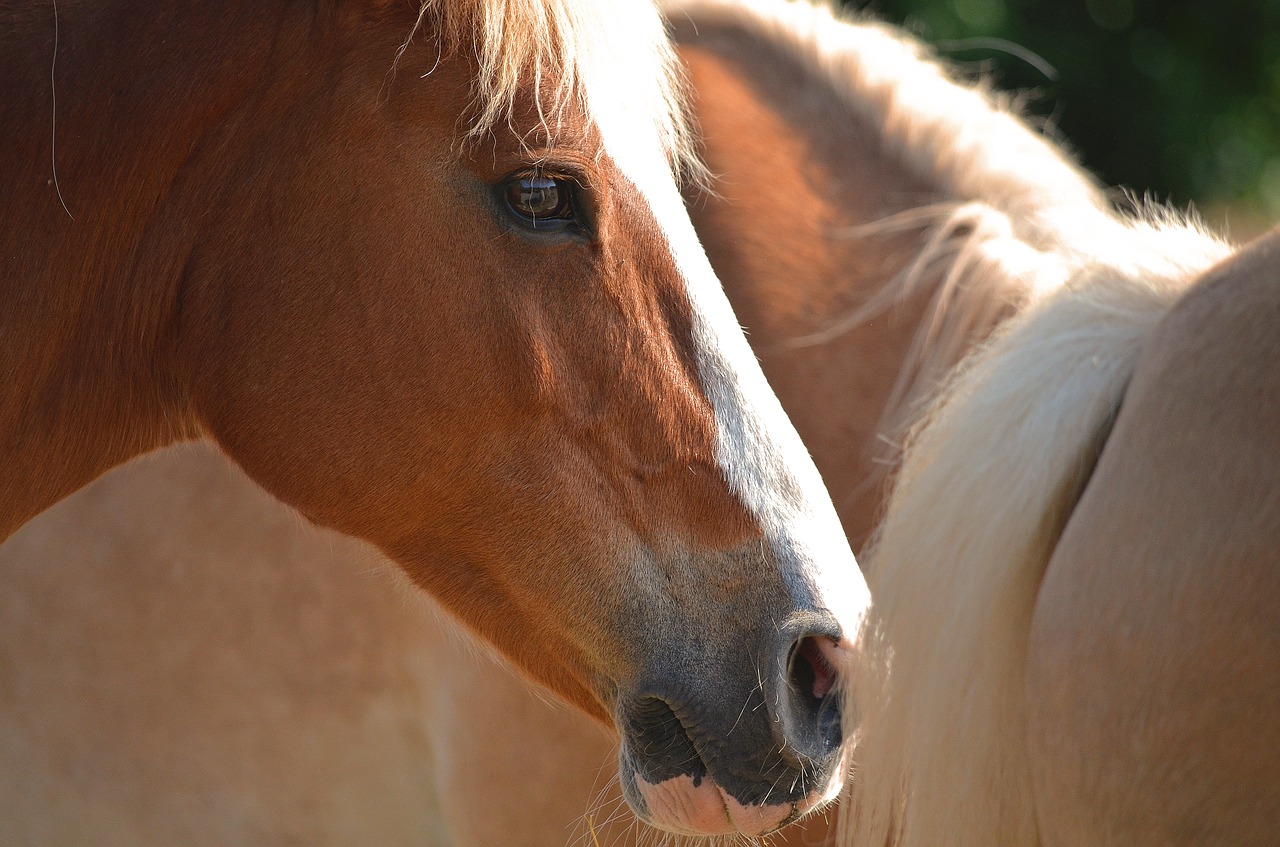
222 673
425 275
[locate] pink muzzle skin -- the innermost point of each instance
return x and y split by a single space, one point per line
701 807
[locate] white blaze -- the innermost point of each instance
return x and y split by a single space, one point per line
758 449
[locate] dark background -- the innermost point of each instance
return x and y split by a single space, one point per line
1178 100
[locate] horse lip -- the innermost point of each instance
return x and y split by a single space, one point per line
696 816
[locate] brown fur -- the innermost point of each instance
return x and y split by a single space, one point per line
327 740
795 171
212 283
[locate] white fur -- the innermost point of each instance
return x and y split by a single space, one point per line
759 451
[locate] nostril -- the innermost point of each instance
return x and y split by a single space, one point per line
813 682
810 670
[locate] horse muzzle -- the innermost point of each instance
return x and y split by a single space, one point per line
702 755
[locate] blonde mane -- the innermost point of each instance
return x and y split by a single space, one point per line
585 55
988 480
992 470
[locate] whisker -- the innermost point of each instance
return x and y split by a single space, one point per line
53 92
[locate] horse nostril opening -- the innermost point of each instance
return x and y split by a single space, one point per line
813 682
810 670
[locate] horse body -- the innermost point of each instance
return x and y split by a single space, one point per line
1075 609
1154 634
1119 682
425 276
266 685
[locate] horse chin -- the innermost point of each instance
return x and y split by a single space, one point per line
697 805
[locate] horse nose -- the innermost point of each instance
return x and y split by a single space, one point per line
806 703
746 757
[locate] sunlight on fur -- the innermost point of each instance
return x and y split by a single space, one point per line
989 251
977 271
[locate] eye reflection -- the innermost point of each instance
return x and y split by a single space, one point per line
540 201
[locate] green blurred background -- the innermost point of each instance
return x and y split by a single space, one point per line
1178 100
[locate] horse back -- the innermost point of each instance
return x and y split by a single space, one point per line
1154 664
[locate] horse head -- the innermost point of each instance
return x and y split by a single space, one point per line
442 294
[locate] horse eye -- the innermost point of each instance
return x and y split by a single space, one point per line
540 201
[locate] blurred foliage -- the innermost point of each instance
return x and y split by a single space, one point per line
1176 99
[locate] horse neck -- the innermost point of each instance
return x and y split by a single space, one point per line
857 299
92 263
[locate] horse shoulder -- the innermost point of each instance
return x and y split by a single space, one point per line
1154 665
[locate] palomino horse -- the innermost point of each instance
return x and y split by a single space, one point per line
195 666
1077 598
425 275
1077 573
1076 582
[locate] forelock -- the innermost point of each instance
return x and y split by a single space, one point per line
587 56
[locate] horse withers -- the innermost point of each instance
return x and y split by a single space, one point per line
425 275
